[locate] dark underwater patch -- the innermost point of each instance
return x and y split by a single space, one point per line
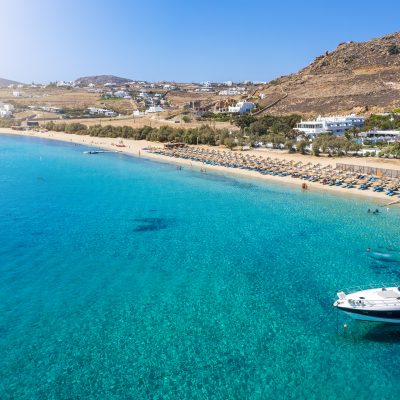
243 185
227 180
303 234
383 334
151 224
379 266
37 233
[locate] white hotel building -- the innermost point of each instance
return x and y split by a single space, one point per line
337 125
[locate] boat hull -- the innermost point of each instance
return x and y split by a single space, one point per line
386 316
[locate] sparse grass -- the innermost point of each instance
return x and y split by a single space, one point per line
112 99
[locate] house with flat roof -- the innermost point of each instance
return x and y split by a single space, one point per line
241 107
122 94
6 110
222 106
337 125
101 111
154 109
231 92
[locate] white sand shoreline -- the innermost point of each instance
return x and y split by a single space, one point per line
135 148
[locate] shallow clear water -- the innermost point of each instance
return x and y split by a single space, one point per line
125 278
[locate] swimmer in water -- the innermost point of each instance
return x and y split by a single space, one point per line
368 249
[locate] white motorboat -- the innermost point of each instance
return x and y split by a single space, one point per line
372 304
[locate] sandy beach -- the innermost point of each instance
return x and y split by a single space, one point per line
135 148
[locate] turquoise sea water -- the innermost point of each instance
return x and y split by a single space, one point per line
123 278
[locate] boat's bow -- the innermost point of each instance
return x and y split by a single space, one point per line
376 304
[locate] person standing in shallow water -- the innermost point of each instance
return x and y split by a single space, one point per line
304 186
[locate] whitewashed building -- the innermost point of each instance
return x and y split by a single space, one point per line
337 125
101 111
154 109
6 110
121 94
232 92
65 83
204 89
241 107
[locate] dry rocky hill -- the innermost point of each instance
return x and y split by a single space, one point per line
359 77
6 82
101 80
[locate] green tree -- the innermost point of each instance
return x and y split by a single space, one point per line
394 149
383 122
290 145
244 121
339 145
276 139
393 49
230 143
301 146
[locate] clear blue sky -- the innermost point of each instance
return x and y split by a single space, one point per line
181 40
